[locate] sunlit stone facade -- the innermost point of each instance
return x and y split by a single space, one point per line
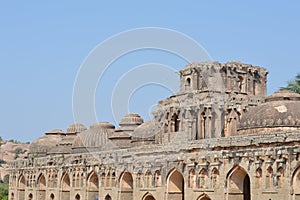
218 138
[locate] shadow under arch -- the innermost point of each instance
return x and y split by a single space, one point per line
126 186
204 197
148 196
238 185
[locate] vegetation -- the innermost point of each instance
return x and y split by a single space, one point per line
3 191
293 85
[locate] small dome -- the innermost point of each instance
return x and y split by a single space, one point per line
281 111
131 119
144 134
76 128
43 144
95 137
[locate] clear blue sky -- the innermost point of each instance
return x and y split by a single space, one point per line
43 44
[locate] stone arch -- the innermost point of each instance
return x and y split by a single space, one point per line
214 178
126 186
139 179
175 185
202 178
52 196
92 186
12 196
157 177
279 177
30 196
107 197
238 184
148 179
21 187
269 178
258 176
148 196
103 176
188 83
41 183
65 187
175 122
296 183
203 197
113 179
192 178
77 197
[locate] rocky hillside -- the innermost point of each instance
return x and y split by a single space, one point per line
11 150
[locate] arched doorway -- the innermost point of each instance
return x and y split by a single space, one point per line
108 197
77 197
175 186
296 184
93 186
149 197
21 188
41 187
51 196
238 184
126 186
30 196
65 187
204 197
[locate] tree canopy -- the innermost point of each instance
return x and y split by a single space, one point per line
293 85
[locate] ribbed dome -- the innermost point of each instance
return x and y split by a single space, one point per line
96 136
43 144
76 128
144 133
131 119
281 111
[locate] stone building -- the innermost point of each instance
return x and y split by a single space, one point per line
218 138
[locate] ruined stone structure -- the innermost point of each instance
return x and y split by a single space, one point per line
218 138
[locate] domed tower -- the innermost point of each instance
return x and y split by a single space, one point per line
93 139
123 135
42 145
212 99
65 144
280 112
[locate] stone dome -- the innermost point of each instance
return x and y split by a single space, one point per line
42 145
95 137
131 119
280 112
75 128
144 134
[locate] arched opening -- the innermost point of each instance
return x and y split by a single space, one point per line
12 196
21 188
93 186
157 178
238 184
203 125
175 186
192 178
30 196
52 197
214 178
148 179
204 197
113 179
148 197
269 178
175 123
280 177
41 187
188 83
77 197
258 176
65 187
126 186
139 180
296 184
107 184
202 179
108 197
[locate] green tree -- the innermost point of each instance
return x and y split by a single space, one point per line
293 85
3 191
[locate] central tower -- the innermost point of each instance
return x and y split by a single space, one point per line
211 101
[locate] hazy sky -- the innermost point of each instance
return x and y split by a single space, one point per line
43 45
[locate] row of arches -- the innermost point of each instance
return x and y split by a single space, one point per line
237 184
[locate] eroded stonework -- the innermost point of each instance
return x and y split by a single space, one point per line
218 138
